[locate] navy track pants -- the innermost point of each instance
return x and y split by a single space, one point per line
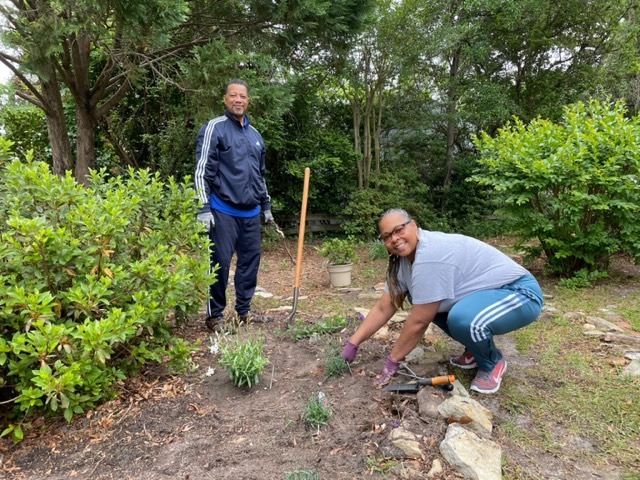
242 236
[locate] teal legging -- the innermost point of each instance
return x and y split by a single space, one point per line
474 320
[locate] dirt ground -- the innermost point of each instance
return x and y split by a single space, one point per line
202 427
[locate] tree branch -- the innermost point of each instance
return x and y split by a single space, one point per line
113 101
37 99
32 100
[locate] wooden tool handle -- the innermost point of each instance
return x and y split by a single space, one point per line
303 221
443 380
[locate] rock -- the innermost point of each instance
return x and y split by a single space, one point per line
436 469
474 457
362 311
406 441
622 338
283 308
290 299
604 325
458 389
633 369
400 316
415 355
428 402
576 317
593 333
379 287
404 470
369 296
457 406
263 294
632 355
382 334
547 316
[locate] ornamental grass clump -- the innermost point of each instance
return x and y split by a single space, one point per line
244 361
330 325
317 412
335 366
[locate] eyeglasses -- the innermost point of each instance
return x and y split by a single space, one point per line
397 231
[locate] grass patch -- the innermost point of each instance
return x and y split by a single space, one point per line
571 392
633 317
331 325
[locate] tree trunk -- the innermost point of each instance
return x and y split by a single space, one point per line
357 118
86 155
452 129
56 127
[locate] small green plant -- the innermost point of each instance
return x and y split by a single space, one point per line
317 412
338 251
244 361
335 366
378 251
331 325
582 279
380 465
301 475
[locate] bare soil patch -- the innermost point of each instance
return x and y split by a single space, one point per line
202 427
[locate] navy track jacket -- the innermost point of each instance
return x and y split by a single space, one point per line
230 163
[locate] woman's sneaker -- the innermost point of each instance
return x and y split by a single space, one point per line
489 382
465 361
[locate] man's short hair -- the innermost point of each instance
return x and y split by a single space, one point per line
235 81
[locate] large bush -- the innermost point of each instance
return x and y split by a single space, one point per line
572 186
90 279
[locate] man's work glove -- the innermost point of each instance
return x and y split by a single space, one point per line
205 216
268 217
390 368
349 352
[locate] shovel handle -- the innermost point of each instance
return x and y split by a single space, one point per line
303 221
443 380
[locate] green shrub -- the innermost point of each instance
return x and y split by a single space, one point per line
571 186
243 360
338 251
582 279
90 278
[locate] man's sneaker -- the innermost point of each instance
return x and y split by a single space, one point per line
251 317
489 382
465 361
215 324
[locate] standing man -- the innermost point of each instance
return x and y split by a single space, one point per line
230 181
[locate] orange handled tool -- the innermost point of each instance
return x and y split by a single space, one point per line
419 383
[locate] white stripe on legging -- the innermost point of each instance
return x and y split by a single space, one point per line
492 313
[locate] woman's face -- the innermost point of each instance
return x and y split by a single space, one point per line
398 234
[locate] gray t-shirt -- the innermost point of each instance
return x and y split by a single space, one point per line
450 266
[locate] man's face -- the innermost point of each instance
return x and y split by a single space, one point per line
236 100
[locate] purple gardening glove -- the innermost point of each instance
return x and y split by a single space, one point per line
349 352
390 368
